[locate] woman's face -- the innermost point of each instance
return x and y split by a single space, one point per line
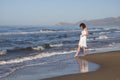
81 27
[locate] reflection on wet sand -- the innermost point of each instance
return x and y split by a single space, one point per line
83 65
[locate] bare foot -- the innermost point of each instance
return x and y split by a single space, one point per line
76 55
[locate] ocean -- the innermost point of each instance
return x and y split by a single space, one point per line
25 46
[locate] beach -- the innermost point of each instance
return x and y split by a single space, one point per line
109 68
39 40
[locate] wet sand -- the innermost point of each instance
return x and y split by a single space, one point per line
109 68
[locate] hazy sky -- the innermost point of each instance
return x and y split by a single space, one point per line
49 12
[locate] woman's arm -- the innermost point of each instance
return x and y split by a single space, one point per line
86 31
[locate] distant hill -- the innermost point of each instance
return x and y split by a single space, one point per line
97 22
65 24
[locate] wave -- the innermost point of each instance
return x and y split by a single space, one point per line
35 32
46 46
112 28
102 37
29 48
38 56
15 33
17 49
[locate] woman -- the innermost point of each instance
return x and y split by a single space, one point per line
82 42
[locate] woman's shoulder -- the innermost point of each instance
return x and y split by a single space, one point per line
85 29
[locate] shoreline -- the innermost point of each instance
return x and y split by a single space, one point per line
109 68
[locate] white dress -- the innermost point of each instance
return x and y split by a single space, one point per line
82 41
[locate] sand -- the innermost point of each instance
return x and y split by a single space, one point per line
109 68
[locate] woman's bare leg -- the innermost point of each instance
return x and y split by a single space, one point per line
84 50
78 49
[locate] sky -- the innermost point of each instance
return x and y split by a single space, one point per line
50 12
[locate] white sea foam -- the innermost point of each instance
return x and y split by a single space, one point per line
111 45
3 52
102 37
38 48
56 45
104 32
117 31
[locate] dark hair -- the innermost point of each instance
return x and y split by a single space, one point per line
83 25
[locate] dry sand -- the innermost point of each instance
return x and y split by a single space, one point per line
109 68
